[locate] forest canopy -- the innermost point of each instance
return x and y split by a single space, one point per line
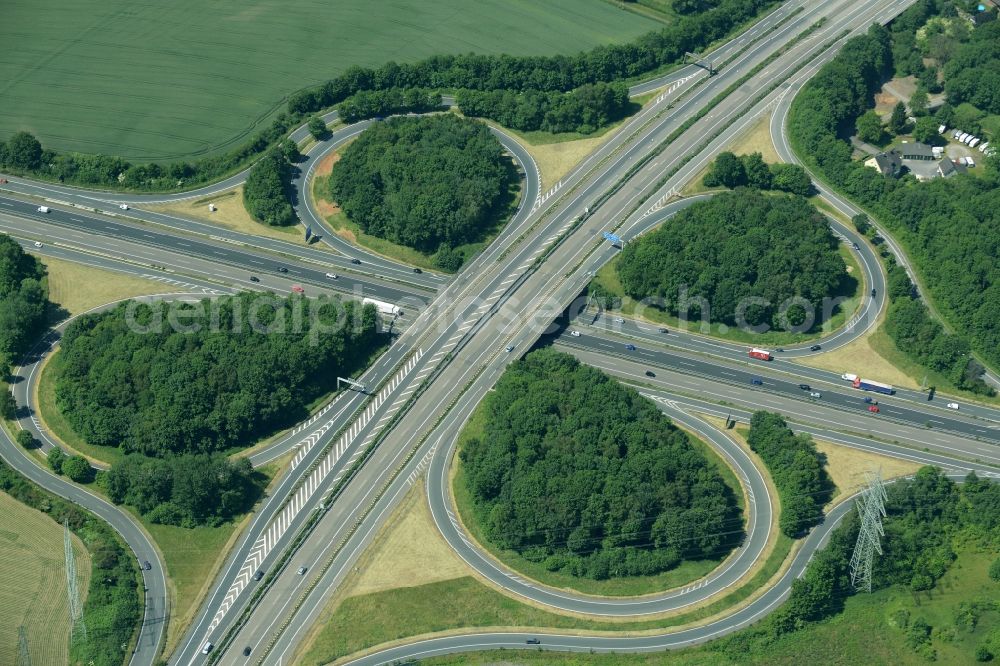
23 299
755 259
577 471
223 382
426 183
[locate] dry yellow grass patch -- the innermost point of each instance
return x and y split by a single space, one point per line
555 160
860 357
756 139
230 214
409 552
847 466
77 288
33 584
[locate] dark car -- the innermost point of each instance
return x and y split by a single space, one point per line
650 373
756 381
804 387
663 330
815 348
282 269
780 349
870 401
246 651
417 270
873 293
259 574
533 641
147 566
254 278
356 261
630 347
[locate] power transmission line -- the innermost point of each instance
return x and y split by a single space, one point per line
871 508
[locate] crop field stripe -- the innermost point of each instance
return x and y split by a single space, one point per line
188 78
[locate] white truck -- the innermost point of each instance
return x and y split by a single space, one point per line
383 307
43 209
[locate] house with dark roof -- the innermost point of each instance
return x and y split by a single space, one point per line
888 164
916 151
948 168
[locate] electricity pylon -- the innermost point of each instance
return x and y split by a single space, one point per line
23 658
871 508
75 612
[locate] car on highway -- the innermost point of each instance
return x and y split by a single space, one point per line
417 270
663 330
282 269
297 288
123 206
575 334
630 347
254 278
780 349
3 181
856 247
533 641
804 387
356 261
38 243
815 394
869 401
510 348
332 276
873 293
650 373
259 574
147 566
619 320
952 405
815 348
247 651
301 571
756 381
873 409
207 648
43 209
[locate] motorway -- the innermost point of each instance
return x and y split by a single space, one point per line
482 346
428 382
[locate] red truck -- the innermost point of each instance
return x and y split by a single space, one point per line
761 354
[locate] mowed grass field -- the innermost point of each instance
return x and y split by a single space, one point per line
163 80
33 584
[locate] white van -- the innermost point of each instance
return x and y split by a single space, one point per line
43 209
962 137
972 144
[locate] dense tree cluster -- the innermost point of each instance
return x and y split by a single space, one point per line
484 72
230 370
973 73
183 490
752 171
267 191
422 182
581 473
372 103
797 469
584 110
951 227
753 258
23 300
111 611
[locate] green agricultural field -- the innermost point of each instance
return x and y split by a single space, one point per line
163 80
33 584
